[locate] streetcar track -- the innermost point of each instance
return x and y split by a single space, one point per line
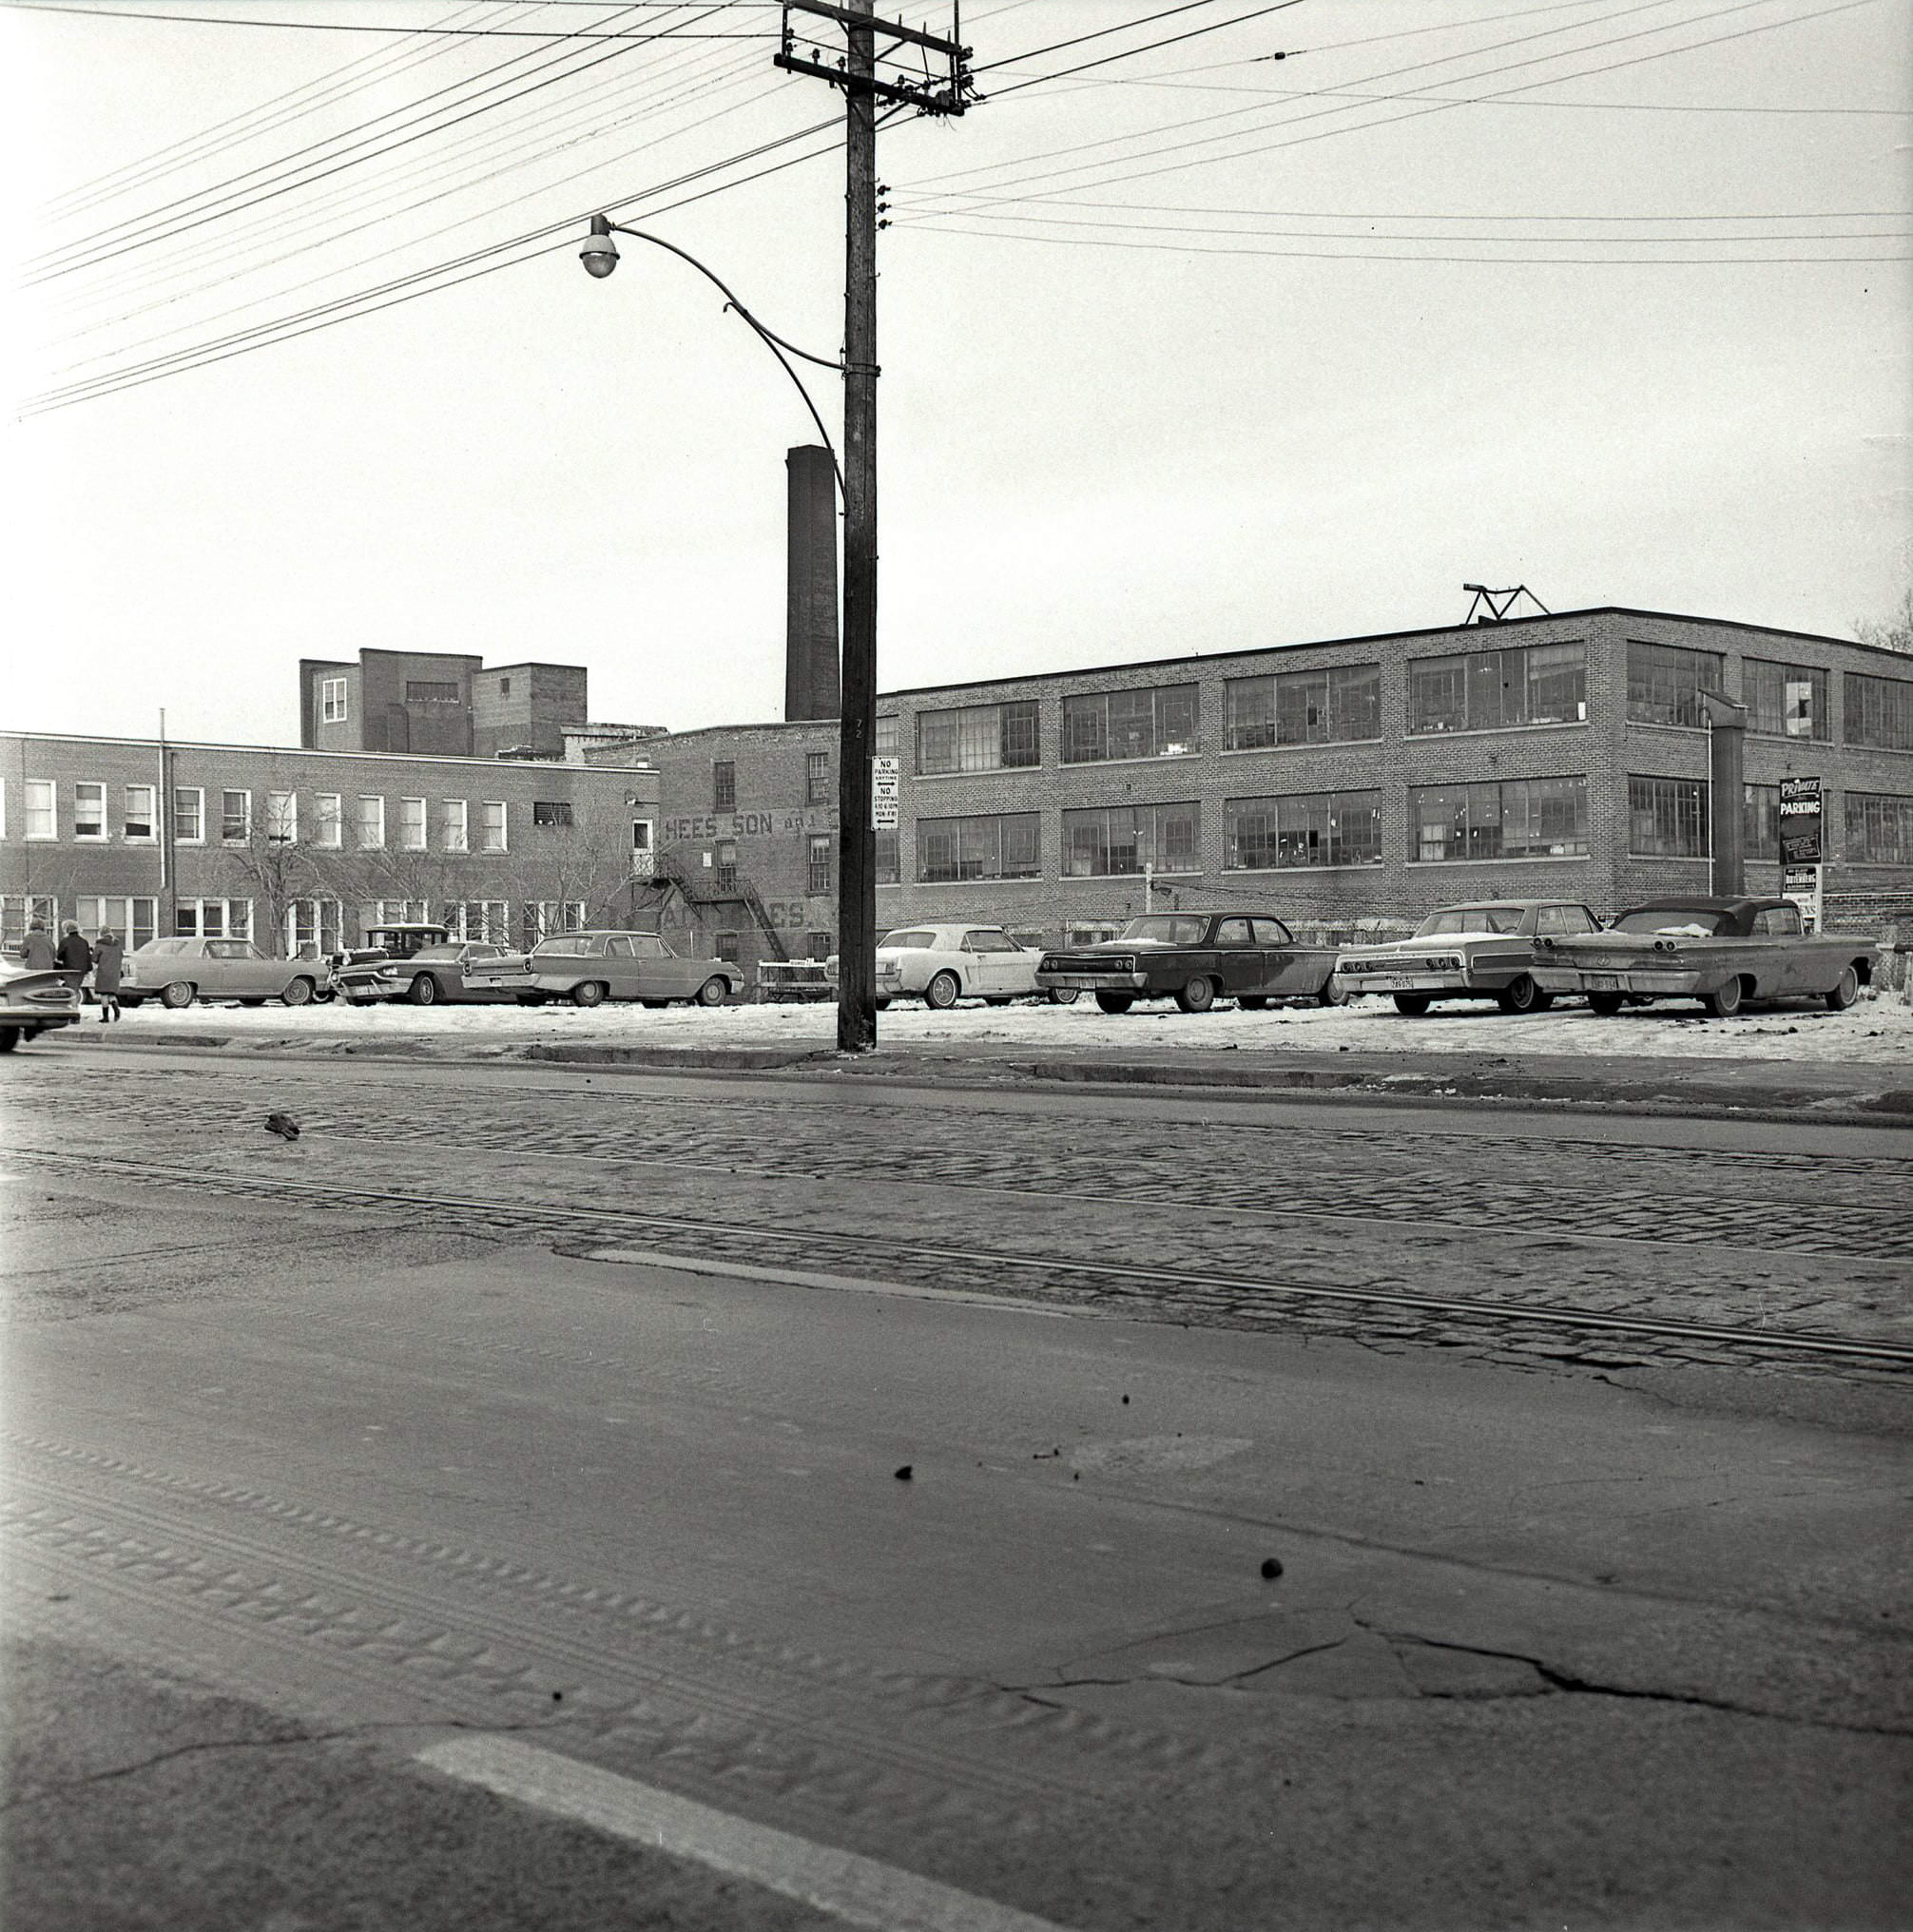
524 1218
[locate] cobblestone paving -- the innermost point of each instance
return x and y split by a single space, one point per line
1735 1239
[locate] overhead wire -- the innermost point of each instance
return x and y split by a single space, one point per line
170 19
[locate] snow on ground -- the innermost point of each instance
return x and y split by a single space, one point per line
1878 1030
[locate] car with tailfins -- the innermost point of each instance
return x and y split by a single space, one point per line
940 963
360 974
588 968
33 1000
177 972
1196 959
1722 952
1484 950
433 975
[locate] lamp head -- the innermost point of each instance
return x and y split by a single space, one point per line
600 252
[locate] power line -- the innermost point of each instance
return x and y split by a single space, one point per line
362 27
1174 39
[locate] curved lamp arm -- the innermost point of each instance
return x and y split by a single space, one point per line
600 256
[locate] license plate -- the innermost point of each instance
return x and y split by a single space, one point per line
1399 982
1603 982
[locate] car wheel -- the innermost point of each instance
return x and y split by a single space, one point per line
1845 990
10 1038
1606 1004
1063 996
1725 1002
1413 1004
298 994
253 1002
1116 1002
424 989
713 990
1332 992
941 992
1251 1002
176 995
589 992
1521 995
1198 996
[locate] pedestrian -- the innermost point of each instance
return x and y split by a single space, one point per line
108 955
36 949
73 957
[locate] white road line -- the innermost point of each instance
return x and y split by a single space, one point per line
859 1890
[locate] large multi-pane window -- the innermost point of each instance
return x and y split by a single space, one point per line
1332 706
886 857
1310 828
140 811
1489 690
1116 841
1879 829
1760 821
1667 817
1523 818
1784 700
235 817
1879 711
978 738
1665 683
213 919
89 811
1005 846
136 920
313 926
1159 722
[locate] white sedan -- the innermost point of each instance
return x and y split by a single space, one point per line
941 964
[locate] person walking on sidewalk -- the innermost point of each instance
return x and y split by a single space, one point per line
107 957
36 949
73 957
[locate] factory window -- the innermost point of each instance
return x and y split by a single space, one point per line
419 692
1879 711
89 811
885 744
189 815
724 785
727 865
1665 683
886 857
1158 723
1333 706
1313 828
1117 841
1490 690
1001 847
1879 829
552 812
1532 817
819 863
1667 817
1784 700
235 817
817 777
332 701
1760 822
142 802
978 738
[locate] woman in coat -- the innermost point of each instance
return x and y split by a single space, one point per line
108 955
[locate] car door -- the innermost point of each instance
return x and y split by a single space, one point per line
1783 961
994 962
1289 971
219 972
618 969
656 972
1238 960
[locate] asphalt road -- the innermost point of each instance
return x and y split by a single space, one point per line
383 1564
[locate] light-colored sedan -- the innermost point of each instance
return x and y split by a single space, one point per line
433 975
177 972
941 964
588 968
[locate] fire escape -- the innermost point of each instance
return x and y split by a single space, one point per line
671 876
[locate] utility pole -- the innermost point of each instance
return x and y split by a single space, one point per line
855 72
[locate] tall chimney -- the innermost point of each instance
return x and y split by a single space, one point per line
811 685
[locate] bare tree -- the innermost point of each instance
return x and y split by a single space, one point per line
275 872
1893 632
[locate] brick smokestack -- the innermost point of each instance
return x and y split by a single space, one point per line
811 685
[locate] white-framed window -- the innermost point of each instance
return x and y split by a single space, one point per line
189 815
89 810
387 911
330 830
453 816
492 825
42 808
412 824
136 920
214 919
371 823
142 813
488 919
17 910
332 701
235 817
281 818
314 927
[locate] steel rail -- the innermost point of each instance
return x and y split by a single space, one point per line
1552 1316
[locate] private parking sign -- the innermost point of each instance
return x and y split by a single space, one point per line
1800 821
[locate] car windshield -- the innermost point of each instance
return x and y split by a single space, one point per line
1166 929
1691 922
1471 919
902 941
167 945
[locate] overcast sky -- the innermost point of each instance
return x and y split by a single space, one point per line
1189 351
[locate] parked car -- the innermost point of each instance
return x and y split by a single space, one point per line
1193 957
33 1001
177 972
432 975
941 964
360 974
1722 952
587 968
1484 950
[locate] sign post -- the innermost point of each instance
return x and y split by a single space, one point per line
1800 848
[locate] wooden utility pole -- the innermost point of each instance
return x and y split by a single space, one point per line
857 74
